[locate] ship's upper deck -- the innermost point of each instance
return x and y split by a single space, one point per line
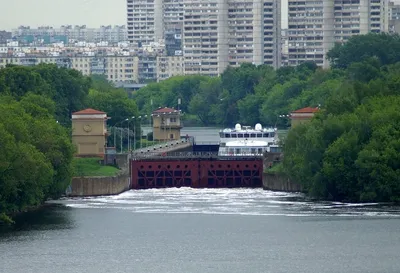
269 135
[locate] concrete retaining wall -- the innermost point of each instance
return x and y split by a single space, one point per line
279 182
122 161
96 186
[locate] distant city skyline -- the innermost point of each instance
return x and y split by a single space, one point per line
91 13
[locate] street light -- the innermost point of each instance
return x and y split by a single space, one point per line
121 132
115 133
140 131
140 120
134 132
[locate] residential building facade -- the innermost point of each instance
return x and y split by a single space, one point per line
169 66
219 33
116 68
315 26
394 17
145 21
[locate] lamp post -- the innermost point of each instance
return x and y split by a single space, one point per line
140 130
134 132
140 121
151 124
122 130
170 125
115 133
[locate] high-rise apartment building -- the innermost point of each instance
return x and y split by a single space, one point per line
145 21
155 21
315 26
219 33
173 26
394 17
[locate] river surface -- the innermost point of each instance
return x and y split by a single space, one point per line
203 230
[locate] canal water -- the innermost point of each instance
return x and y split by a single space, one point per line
203 230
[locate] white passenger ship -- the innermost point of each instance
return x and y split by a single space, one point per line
246 141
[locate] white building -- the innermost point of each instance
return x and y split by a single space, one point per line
145 21
219 33
169 66
315 26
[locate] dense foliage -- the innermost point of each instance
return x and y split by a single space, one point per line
66 87
351 150
36 153
248 94
36 150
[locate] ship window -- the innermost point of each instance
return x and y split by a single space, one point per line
266 135
272 134
221 135
234 135
246 135
227 135
240 135
237 151
231 151
259 135
260 151
252 135
253 150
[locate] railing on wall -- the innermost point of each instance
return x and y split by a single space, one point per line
189 156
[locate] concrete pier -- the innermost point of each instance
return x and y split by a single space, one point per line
99 185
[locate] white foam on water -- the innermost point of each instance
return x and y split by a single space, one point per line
242 201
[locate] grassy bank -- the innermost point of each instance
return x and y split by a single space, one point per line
92 167
275 169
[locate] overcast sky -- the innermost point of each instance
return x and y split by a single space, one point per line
92 13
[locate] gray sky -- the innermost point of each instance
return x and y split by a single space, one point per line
92 13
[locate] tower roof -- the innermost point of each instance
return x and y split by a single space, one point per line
307 110
165 110
89 111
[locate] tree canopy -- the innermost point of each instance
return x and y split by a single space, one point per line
36 153
350 150
36 105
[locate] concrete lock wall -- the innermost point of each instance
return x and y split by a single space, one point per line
280 182
96 186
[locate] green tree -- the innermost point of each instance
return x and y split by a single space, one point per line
115 103
36 153
382 46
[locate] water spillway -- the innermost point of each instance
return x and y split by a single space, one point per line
195 169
